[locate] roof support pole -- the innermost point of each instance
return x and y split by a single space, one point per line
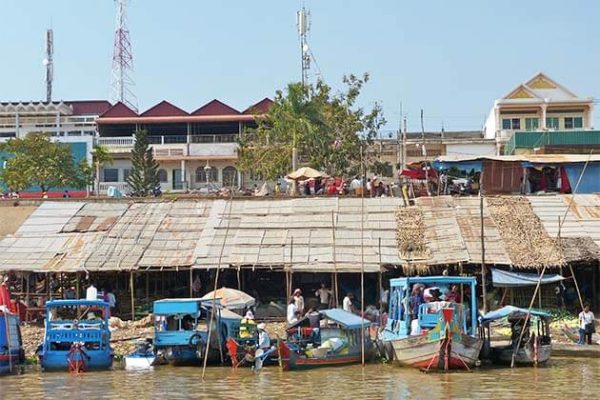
191 282
483 268
132 291
76 286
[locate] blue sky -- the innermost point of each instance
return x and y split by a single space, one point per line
451 58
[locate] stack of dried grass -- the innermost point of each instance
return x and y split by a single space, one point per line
527 242
410 233
579 249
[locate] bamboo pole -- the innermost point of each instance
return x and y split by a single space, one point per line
131 289
77 285
362 263
335 273
214 308
483 267
191 282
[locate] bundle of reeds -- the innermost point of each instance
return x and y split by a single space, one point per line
410 234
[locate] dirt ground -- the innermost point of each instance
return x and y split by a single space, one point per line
12 217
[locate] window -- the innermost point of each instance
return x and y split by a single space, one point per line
213 175
552 123
74 133
162 175
532 124
573 122
511 123
229 176
126 173
111 175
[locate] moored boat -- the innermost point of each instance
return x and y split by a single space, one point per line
76 336
439 334
142 357
11 345
181 330
534 346
334 337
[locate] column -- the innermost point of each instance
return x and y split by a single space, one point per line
183 175
543 121
17 125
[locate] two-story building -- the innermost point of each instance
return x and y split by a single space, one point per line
195 150
541 113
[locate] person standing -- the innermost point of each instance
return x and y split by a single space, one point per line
196 286
324 295
292 310
299 301
347 303
587 325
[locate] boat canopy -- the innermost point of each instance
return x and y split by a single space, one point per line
508 310
344 318
509 279
433 280
181 306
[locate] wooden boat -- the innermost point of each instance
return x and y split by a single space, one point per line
11 345
333 339
443 333
76 336
535 347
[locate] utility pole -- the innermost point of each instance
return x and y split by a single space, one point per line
404 133
424 153
49 63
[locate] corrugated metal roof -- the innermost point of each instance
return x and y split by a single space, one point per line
95 217
50 217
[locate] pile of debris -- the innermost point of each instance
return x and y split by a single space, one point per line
410 234
527 242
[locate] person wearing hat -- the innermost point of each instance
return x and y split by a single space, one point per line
264 341
247 325
299 301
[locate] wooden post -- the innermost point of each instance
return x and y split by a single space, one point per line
162 283
147 285
335 273
27 281
132 290
483 268
77 285
239 282
191 282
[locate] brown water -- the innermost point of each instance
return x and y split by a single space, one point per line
562 378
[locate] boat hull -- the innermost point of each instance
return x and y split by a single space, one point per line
137 363
59 360
526 355
10 342
421 352
290 360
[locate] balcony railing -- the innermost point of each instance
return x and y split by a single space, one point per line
128 141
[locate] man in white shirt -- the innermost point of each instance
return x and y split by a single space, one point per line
347 303
324 296
292 312
587 325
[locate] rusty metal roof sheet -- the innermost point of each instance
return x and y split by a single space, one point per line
95 217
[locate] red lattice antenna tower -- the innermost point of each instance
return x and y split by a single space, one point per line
122 66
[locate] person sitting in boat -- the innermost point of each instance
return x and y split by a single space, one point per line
247 326
416 299
453 294
313 317
516 326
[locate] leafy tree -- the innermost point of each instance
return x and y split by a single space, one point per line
144 173
37 161
326 128
101 156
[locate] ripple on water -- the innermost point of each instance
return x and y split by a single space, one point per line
577 378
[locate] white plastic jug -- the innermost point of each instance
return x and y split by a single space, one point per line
91 293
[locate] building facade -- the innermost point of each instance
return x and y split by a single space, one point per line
196 151
538 105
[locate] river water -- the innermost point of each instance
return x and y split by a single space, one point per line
561 378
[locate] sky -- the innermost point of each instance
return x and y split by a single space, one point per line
449 58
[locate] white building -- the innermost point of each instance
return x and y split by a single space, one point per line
540 104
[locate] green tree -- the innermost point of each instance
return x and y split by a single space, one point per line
37 161
101 156
144 172
326 128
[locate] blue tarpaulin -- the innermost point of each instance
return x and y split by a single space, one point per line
508 310
590 182
502 278
345 318
461 165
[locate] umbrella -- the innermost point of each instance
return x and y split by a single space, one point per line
305 173
231 298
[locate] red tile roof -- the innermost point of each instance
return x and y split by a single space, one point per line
261 107
164 109
119 110
89 107
216 107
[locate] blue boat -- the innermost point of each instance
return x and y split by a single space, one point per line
436 334
181 330
76 336
11 346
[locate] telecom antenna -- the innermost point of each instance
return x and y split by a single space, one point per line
303 22
122 66
49 64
